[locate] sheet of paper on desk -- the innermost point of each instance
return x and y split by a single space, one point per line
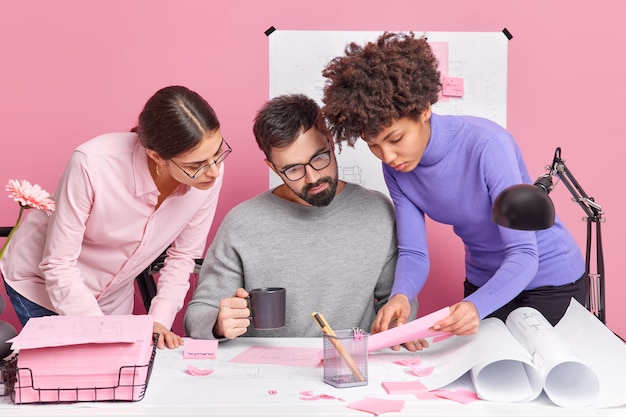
589 355
578 363
552 364
276 355
448 360
600 349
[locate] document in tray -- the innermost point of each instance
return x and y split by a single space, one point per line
103 358
51 331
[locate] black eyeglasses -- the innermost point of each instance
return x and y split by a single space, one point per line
225 152
298 171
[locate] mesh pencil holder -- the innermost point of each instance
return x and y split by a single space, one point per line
345 358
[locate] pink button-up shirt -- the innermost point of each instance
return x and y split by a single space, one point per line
83 259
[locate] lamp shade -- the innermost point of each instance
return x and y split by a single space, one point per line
523 207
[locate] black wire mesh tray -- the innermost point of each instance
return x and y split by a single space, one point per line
132 382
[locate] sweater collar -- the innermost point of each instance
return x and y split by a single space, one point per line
443 131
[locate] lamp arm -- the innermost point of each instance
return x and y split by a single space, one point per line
595 283
592 209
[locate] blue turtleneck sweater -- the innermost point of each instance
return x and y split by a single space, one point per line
468 161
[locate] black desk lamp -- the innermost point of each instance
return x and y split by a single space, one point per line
528 207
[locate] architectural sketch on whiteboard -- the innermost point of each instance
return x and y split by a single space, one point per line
473 67
352 173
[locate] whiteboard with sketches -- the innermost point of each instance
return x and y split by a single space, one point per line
477 59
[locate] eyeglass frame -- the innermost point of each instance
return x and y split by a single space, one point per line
307 164
220 158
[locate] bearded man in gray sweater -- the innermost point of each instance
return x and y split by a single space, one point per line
331 244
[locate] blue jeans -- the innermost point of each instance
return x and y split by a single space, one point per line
24 308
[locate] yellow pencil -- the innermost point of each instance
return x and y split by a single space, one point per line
348 359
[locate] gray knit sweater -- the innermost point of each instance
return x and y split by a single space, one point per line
337 260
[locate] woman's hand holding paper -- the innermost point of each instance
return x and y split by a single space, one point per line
462 321
393 314
397 310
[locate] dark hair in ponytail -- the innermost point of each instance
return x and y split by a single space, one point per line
174 120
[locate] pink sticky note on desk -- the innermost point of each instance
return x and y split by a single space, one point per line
377 406
459 395
199 349
404 387
192 370
452 87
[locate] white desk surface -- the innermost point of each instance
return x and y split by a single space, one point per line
237 389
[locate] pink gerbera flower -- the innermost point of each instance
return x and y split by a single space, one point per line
30 196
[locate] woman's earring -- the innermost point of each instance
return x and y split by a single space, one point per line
158 169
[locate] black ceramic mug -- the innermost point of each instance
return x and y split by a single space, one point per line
267 307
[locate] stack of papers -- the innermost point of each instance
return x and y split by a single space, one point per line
67 358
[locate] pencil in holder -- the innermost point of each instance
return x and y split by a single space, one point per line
345 358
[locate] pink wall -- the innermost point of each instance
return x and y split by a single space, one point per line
70 70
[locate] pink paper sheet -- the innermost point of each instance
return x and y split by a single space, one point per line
275 355
413 330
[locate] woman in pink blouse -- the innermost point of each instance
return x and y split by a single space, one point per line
123 199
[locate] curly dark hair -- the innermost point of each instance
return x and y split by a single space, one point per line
373 85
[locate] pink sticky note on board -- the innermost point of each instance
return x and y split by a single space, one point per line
200 349
452 87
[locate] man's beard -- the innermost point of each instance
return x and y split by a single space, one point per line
321 199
